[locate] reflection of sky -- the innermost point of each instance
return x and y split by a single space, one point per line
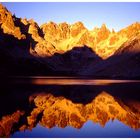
115 129
115 15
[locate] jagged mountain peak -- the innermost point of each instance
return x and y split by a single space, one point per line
104 27
63 24
2 8
78 24
51 38
7 23
31 21
131 30
101 109
136 24
24 21
64 36
113 31
50 24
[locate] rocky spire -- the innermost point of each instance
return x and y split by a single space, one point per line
7 23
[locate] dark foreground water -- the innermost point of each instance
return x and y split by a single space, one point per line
69 107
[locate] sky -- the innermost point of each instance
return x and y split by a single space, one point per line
92 14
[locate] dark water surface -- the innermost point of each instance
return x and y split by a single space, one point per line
69 107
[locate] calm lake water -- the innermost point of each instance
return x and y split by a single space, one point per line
69 107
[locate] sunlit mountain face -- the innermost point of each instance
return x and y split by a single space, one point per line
25 107
64 49
63 80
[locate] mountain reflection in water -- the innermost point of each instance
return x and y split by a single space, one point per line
24 106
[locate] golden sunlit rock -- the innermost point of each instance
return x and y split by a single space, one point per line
7 123
62 37
50 111
8 25
58 111
101 40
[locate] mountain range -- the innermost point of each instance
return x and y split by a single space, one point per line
63 49
75 109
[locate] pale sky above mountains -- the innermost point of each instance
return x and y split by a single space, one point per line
114 15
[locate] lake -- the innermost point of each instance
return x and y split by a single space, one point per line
64 107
